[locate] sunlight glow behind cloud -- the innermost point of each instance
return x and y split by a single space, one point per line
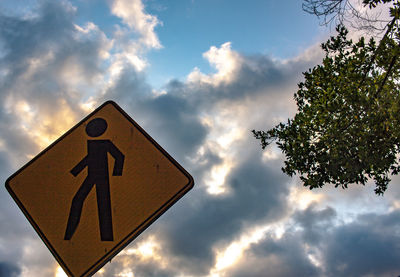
60 272
301 197
225 258
50 127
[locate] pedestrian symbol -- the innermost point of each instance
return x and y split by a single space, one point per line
95 189
97 164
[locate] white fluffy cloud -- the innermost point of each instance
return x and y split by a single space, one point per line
225 61
133 14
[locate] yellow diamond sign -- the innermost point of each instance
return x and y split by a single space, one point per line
97 188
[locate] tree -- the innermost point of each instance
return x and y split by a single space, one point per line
346 12
347 127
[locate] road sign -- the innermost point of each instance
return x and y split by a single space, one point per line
96 188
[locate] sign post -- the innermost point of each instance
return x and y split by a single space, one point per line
96 188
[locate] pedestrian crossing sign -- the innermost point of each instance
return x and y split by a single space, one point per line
96 188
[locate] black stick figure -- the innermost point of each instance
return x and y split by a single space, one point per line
97 163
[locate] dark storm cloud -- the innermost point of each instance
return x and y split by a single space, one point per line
315 222
13 225
129 88
7 207
257 192
288 255
276 258
260 74
141 268
17 142
257 196
9 270
199 223
152 270
190 231
257 74
177 122
369 246
172 120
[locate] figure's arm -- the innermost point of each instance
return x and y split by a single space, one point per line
79 167
119 159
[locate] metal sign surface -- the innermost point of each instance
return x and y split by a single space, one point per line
96 188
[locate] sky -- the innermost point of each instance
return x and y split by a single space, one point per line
198 76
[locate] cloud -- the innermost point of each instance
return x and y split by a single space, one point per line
191 120
282 257
366 247
205 123
243 217
314 221
240 76
47 65
9 270
363 247
133 14
144 260
41 84
224 60
197 230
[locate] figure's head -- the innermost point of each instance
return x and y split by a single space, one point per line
96 127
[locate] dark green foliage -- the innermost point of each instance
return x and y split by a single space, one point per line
347 128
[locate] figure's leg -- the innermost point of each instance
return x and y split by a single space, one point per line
104 209
76 208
